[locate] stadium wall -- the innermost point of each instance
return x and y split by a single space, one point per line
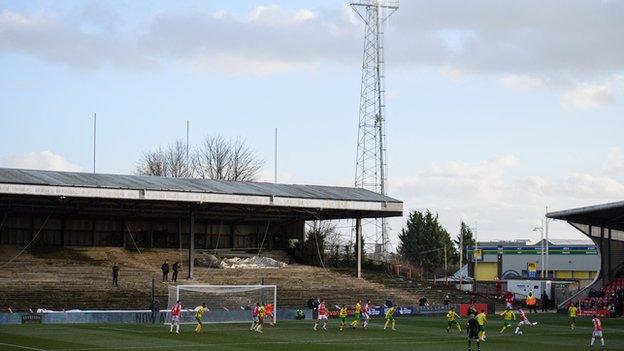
130 316
214 316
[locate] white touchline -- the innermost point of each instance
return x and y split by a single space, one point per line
22 347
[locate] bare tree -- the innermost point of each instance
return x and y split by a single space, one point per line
168 162
211 158
244 164
327 230
178 164
215 158
152 163
225 159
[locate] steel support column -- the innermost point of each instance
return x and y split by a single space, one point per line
358 245
232 235
191 244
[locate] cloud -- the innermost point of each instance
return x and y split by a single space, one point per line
568 46
532 37
273 15
588 96
454 179
51 38
496 194
204 61
457 75
523 82
592 187
265 40
614 164
44 160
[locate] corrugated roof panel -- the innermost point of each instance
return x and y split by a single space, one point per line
113 181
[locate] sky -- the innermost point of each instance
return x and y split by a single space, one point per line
495 109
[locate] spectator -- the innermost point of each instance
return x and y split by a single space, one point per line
472 309
311 303
389 302
165 270
176 269
447 300
300 315
154 309
115 274
531 302
544 299
611 309
423 302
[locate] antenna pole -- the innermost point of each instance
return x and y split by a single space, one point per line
187 144
275 156
94 138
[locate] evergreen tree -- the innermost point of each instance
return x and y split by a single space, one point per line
423 240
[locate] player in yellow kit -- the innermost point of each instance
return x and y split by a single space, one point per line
390 318
261 314
508 316
451 319
357 314
342 314
199 314
482 320
572 312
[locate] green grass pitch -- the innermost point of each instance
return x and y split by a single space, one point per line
414 333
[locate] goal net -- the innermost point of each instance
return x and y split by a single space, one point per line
225 303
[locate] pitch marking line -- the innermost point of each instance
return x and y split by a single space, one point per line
250 343
22 347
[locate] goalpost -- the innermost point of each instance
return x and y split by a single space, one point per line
225 303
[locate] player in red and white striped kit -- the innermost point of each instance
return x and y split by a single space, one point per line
366 314
523 321
175 317
509 298
597 332
255 312
322 315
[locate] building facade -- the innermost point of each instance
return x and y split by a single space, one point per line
576 260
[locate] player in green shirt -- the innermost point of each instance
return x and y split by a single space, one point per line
482 320
390 318
508 317
357 314
199 314
342 314
261 313
451 319
572 312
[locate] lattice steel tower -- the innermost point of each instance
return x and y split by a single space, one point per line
371 162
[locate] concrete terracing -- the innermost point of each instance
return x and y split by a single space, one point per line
81 278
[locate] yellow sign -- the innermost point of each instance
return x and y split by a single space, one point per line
478 255
532 267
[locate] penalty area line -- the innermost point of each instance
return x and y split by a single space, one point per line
22 347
